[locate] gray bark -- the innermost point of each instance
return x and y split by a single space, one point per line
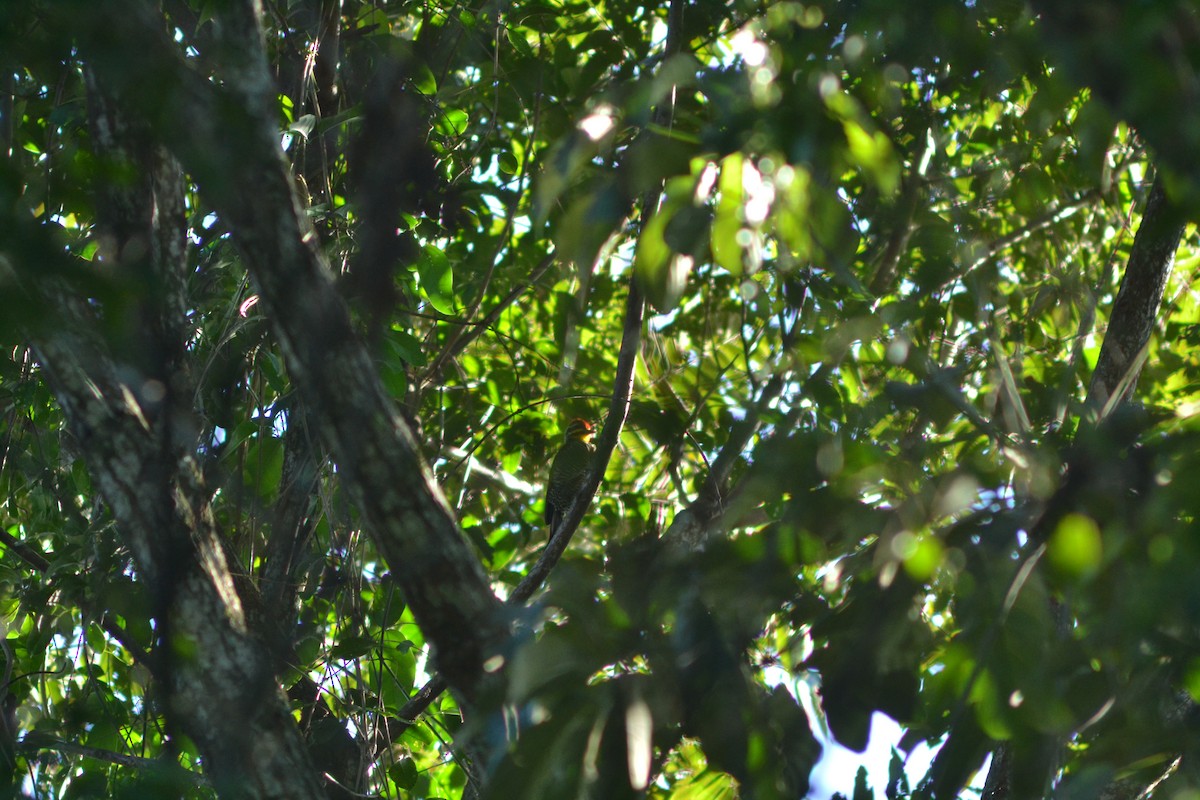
225 137
124 396
219 683
1135 310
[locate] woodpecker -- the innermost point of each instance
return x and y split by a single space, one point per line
568 470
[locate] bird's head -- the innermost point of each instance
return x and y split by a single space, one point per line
579 429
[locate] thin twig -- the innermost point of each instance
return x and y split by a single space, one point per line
471 331
38 562
1051 217
35 742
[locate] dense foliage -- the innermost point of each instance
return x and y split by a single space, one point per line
886 311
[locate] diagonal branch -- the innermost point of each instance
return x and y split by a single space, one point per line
472 330
38 562
178 553
33 743
225 136
631 346
618 410
606 442
1125 347
1135 310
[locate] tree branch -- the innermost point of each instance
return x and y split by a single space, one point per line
177 551
618 411
38 561
35 742
1122 355
123 414
560 538
225 135
1135 310
472 330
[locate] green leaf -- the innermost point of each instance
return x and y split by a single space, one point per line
436 278
452 122
661 273
406 347
727 220
423 79
706 785
1075 546
404 773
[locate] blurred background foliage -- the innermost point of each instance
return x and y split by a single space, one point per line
889 238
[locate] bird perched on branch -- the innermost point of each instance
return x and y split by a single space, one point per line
568 470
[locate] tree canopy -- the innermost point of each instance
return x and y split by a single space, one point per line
885 314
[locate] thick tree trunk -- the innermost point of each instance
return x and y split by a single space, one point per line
123 388
226 137
219 685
